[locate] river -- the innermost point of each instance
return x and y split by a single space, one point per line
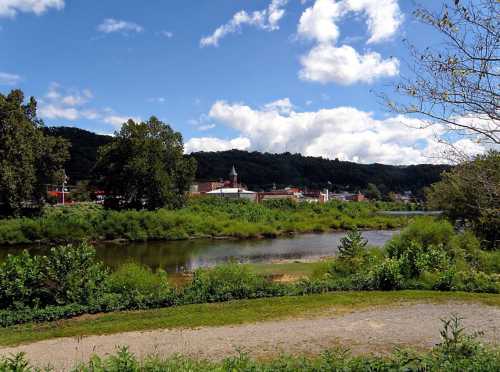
188 255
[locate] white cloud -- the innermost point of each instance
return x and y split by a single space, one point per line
266 19
117 120
9 79
326 62
65 104
383 17
52 111
72 105
344 65
216 144
9 8
206 127
110 25
167 34
342 132
318 22
283 106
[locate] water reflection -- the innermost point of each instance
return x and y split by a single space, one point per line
189 255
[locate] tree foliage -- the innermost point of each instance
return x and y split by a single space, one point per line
28 158
456 84
352 244
372 192
471 192
145 166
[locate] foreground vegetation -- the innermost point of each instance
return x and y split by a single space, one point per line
70 281
203 217
458 351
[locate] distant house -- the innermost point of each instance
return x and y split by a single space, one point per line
347 196
314 196
204 187
277 195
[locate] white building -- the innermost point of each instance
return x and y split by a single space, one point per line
234 193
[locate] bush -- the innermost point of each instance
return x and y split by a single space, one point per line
386 275
140 288
67 275
227 282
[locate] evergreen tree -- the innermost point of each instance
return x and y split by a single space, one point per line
352 244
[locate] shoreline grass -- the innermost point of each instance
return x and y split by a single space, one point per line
201 218
229 313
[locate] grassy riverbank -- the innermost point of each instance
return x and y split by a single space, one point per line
202 217
229 313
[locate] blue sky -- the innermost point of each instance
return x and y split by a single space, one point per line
277 76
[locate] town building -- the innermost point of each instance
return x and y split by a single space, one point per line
232 189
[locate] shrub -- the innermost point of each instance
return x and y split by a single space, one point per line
474 281
20 281
227 282
140 288
386 275
68 274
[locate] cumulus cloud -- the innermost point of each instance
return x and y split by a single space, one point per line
9 8
216 144
9 79
341 132
110 25
266 19
383 17
326 62
344 65
318 22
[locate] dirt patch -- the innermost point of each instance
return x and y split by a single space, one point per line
370 331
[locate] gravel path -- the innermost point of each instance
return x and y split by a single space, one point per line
377 330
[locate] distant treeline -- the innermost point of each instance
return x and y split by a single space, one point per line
259 171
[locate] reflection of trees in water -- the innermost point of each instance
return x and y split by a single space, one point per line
187 255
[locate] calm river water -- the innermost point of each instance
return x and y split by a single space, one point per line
178 256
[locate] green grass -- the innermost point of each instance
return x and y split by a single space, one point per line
202 217
236 312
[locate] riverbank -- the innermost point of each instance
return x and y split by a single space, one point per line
201 218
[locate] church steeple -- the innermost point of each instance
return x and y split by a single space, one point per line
234 177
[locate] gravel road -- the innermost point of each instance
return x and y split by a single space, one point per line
376 330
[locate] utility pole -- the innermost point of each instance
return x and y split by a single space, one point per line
65 179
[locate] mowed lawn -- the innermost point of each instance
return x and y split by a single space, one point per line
235 312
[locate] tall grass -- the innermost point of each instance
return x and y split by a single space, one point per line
202 217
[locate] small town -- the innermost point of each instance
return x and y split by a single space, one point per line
249 186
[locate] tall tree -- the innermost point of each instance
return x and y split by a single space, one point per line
456 83
470 192
28 159
145 166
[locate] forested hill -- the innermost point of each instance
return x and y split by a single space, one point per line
83 150
260 170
